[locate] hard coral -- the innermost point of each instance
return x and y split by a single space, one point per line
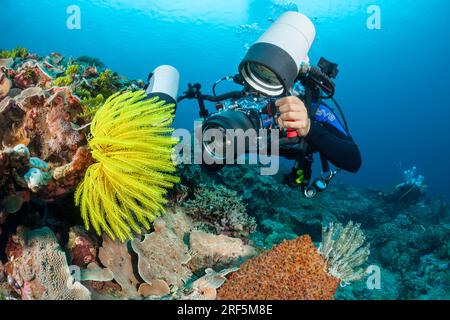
217 250
163 255
115 256
293 270
39 270
42 121
220 210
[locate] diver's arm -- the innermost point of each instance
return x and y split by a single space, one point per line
340 149
324 132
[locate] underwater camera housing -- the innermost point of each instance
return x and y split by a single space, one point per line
276 65
273 63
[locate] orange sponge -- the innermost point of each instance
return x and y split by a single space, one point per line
293 270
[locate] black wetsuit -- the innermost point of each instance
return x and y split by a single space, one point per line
329 137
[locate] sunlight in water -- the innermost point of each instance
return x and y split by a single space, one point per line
213 11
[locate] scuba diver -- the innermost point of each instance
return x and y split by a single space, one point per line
282 91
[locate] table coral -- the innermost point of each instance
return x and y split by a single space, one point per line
38 268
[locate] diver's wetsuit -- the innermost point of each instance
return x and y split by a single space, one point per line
329 137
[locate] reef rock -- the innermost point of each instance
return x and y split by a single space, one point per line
217 250
38 268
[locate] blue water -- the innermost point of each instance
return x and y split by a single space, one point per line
393 83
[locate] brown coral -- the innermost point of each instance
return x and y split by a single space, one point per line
293 270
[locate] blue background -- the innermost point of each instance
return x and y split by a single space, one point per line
393 84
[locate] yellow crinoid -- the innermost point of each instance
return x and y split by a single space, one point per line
124 191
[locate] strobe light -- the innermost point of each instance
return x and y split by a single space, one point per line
164 83
273 63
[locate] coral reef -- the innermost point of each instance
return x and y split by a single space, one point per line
231 235
46 106
220 210
40 140
38 268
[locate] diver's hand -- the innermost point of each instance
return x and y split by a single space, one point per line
294 115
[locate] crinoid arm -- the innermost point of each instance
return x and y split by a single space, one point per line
345 251
124 191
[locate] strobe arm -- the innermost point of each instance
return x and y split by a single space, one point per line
194 92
